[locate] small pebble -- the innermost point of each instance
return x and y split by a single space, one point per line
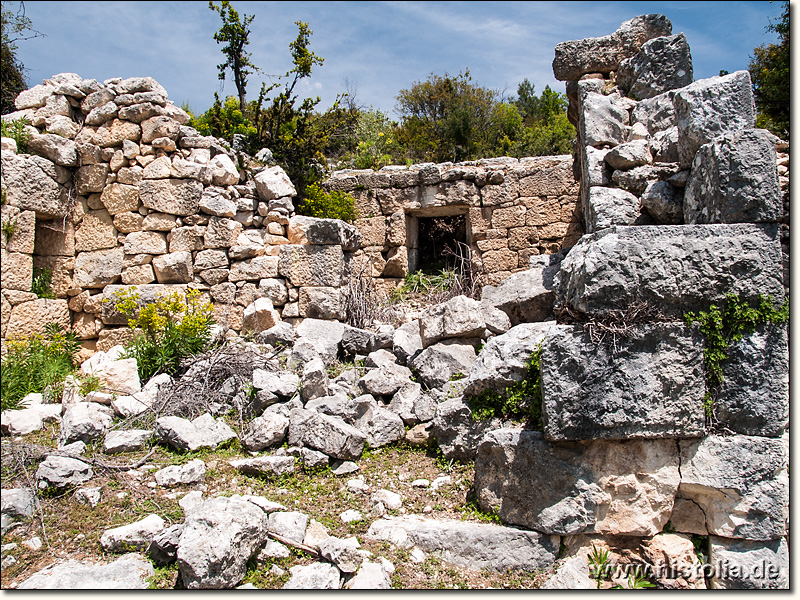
349 516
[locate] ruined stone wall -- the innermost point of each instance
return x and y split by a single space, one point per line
116 191
514 209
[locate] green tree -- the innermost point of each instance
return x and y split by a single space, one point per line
769 71
235 33
14 27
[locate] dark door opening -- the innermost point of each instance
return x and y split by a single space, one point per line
440 242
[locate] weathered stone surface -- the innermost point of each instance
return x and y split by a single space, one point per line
676 566
572 575
192 472
474 545
126 440
458 317
316 576
282 383
145 242
222 233
604 54
185 435
291 525
610 206
172 196
219 537
62 472
383 427
29 187
98 269
85 422
54 148
504 360
740 483
456 432
370 576
17 503
273 466
115 374
437 364
30 318
310 230
267 430
254 269
712 107
163 548
753 397
175 267
747 565
324 336
386 380
734 180
614 488
273 183
677 268
16 270
340 553
526 296
602 120
128 572
28 420
327 434
314 383
136 536
316 266
663 202
664 63
629 155
407 341
119 198
649 384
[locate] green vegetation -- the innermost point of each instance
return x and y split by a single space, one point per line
328 205
521 401
167 330
42 282
37 364
769 72
599 565
10 227
18 131
424 283
235 32
722 327
14 27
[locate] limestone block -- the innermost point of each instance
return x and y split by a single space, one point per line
663 202
437 364
16 270
527 296
138 275
55 148
173 196
734 180
158 127
29 187
740 483
160 168
159 222
210 259
322 303
712 107
649 384
602 120
607 487
34 97
664 63
678 268
500 260
323 232
113 134
330 435
396 229
175 267
31 317
508 217
552 179
24 230
273 183
223 171
629 155
520 238
315 266
186 238
606 207
260 316
99 268
95 232
222 233
253 269
396 262
373 231
748 565
213 202
145 242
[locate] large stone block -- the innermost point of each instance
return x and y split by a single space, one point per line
30 318
119 198
740 483
322 303
254 269
753 397
29 187
315 266
712 107
99 268
664 63
96 231
606 207
747 565
172 196
175 267
274 183
603 121
611 488
734 179
330 435
676 268
16 270
648 384
604 54
323 232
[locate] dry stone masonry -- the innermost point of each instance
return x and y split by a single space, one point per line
682 200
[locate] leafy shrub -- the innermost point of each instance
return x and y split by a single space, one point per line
328 205
722 327
168 330
37 364
17 130
521 401
42 282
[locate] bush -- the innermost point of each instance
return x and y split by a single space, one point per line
42 282
37 364
17 130
168 330
328 205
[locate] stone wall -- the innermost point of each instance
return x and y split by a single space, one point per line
514 209
118 192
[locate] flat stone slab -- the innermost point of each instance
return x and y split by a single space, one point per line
746 565
649 384
676 268
128 572
565 488
474 545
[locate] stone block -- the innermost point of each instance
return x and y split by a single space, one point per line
603 122
16 270
314 266
664 63
322 303
222 233
605 487
30 187
323 232
31 317
649 384
734 179
172 196
748 565
676 268
254 269
175 267
610 206
96 231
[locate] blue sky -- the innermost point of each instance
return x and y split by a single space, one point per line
380 47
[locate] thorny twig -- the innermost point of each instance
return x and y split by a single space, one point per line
616 324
